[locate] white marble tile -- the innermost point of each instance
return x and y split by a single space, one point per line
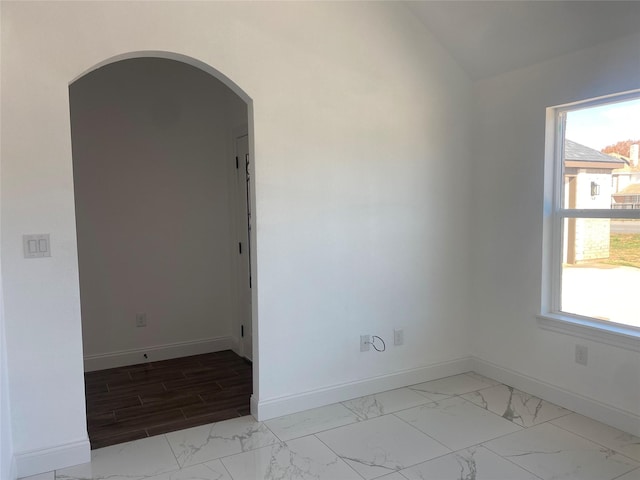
41 476
128 461
208 442
213 471
610 437
635 475
381 445
457 423
373 406
299 459
553 453
515 405
311 421
475 463
456 385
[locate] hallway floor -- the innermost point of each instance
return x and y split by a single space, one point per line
138 401
462 427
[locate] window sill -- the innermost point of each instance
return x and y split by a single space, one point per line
611 334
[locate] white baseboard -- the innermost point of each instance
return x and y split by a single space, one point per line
608 414
13 470
49 459
276 407
156 353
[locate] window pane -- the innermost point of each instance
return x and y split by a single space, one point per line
601 168
601 269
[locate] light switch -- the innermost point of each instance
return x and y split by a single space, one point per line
36 246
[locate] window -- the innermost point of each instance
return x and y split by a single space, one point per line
591 274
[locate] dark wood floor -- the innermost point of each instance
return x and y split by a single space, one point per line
137 401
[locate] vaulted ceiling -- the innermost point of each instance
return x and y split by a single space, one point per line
492 37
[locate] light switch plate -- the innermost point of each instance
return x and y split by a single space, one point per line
36 246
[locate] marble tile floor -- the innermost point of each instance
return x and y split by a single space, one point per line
464 427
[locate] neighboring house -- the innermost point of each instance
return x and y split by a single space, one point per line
626 176
627 198
587 185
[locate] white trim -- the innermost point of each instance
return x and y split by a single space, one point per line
614 334
156 353
49 459
608 414
254 405
276 407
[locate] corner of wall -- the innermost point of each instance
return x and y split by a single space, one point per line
587 406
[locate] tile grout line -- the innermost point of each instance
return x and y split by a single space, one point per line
508 459
223 466
594 441
340 457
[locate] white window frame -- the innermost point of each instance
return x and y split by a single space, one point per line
551 317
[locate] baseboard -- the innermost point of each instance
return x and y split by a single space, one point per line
156 353
276 407
610 415
13 470
49 459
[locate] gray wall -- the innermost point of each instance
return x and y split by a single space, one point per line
153 176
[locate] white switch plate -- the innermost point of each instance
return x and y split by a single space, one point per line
398 336
36 246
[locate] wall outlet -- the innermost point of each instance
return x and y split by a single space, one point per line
141 319
581 354
365 341
398 336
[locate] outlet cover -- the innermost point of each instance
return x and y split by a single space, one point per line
398 336
365 341
581 354
141 319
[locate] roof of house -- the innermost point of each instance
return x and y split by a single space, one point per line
579 153
633 189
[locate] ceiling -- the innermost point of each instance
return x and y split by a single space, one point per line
492 37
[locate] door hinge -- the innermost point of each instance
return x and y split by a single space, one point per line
237 162
249 281
240 248
242 330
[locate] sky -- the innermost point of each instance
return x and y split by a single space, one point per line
604 125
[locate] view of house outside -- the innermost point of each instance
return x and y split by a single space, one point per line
601 256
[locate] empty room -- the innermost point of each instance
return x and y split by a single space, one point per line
388 240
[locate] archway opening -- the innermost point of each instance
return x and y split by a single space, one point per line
162 194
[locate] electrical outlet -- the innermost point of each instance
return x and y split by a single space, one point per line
581 354
141 319
398 336
365 341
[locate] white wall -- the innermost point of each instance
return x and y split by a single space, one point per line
154 175
508 159
6 437
360 129
6 444
7 466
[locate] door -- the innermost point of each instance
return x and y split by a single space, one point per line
243 181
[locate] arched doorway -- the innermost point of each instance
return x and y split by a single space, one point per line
163 245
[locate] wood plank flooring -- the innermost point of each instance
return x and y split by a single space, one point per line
137 401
